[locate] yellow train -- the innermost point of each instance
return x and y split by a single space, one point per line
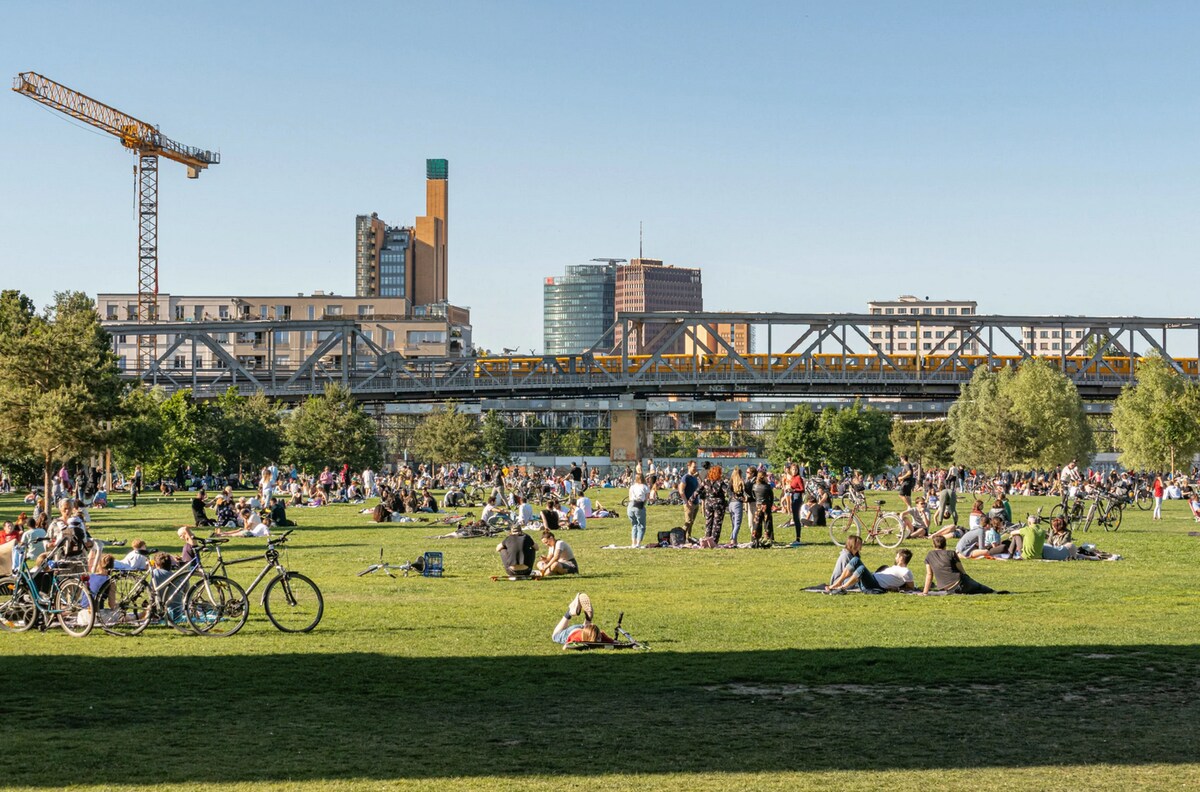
817 364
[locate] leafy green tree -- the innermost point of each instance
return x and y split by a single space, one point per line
1031 416
59 383
574 442
186 439
927 441
448 436
1157 419
858 437
494 440
797 437
247 430
137 432
331 429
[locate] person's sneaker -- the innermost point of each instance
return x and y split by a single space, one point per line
795 543
585 605
1016 556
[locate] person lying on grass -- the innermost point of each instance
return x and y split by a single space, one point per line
855 575
946 567
560 560
566 633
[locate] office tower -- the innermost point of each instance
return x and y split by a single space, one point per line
645 285
578 309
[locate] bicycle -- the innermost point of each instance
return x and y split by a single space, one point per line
214 605
69 600
297 604
886 528
1106 511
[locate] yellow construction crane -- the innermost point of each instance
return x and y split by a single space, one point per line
149 144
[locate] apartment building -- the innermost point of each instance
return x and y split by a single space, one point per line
927 328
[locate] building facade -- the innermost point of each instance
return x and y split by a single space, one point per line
578 309
645 285
738 335
407 261
925 335
390 322
1055 341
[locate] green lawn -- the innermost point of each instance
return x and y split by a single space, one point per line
1084 678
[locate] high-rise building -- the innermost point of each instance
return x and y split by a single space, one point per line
739 335
429 248
578 309
925 335
645 285
407 261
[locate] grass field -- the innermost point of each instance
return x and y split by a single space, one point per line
1084 678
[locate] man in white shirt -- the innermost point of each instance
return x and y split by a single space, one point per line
585 503
1070 478
897 577
523 512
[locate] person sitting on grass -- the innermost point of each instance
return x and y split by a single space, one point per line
577 517
517 553
492 515
278 514
854 573
1027 541
897 577
1058 546
137 559
252 525
560 560
945 567
566 633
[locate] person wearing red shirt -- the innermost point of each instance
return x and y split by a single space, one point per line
796 486
1158 497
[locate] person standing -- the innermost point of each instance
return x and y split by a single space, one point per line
135 486
689 488
715 494
763 531
1158 497
737 504
796 488
639 493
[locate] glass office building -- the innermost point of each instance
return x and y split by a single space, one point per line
393 262
578 309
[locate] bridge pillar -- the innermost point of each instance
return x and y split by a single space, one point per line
627 433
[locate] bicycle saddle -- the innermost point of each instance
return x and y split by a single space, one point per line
880 503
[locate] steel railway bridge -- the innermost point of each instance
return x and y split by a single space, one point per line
842 355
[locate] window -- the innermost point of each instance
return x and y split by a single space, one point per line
312 312
952 311
198 313
221 338
965 312
262 312
389 339
333 310
110 311
283 338
902 346
876 311
876 334
283 312
940 311
282 361
121 339
927 347
1043 334
179 313
925 311
366 311
887 310
179 362
131 311
927 334
121 363
223 311
198 363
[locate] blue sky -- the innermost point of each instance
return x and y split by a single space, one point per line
1039 158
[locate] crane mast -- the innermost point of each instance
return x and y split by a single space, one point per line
148 143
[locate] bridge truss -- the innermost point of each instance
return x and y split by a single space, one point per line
839 355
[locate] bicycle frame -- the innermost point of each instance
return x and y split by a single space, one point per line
25 578
271 563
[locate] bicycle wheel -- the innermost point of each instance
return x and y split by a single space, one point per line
17 611
293 603
1112 520
625 501
76 610
1057 511
216 606
842 528
889 531
123 605
1144 499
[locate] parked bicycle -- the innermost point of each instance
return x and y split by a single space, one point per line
886 528
130 601
65 600
1105 510
291 600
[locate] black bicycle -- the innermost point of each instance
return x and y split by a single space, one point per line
292 601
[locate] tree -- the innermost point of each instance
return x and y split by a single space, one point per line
797 437
1031 416
1157 419
59 383
857 437
137 436
493 440
927 441
448 436
186 439
331 429
247 430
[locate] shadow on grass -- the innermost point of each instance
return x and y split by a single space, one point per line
376 716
